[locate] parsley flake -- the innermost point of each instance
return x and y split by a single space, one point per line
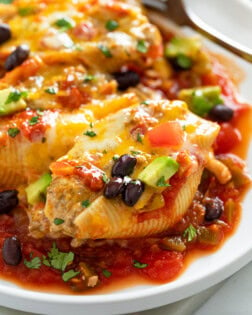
15 96
33 121
90 133
105 50
106 273
105 178
135 152
162 182
34 263
112 25
65 24
51 90
85 203
69 275
58 221
139 265
190 233
142 46
139 138
13 132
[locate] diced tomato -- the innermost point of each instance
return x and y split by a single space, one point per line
167 134
84 31
61 168
229 137
155 51
74 99
162 265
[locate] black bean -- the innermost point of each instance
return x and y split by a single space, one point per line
213 208
126 79
5 33
12 254
114 187
17 57
221 113
124 166
132 192
8 200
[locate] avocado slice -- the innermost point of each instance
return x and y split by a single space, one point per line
159 171
11 101
37 190
201 100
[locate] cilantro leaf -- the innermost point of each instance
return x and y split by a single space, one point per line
46 261
190 233
139 265
15 96
162 182
33 121
64 24
106 273
105 50
105 178
25 11
69 275
85 203
90 133
142 46
34 263
13 132
139 138
60 260
58 221
51 90
116 157
88 78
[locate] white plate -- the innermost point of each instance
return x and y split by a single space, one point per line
201 274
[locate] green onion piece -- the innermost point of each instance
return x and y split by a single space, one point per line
105 178
51 90
65 24
111 25
33 121
184 62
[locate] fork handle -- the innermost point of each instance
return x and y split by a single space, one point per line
195 22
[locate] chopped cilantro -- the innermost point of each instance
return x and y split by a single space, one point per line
64 24
112 25
184 62
25 11
33 121
142 46
145 103
105 178
116 157
34 263
91 125
85 203
59 260
51 90
69 275
45 261
162 182
106 273
139 138
13 132
15 96
88 78
105 50
90 133
190 233
58 221
139 265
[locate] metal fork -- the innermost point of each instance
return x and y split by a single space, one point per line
178 12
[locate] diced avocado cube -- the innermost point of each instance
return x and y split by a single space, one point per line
159 170
180 46
36 191
201 100
11 101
